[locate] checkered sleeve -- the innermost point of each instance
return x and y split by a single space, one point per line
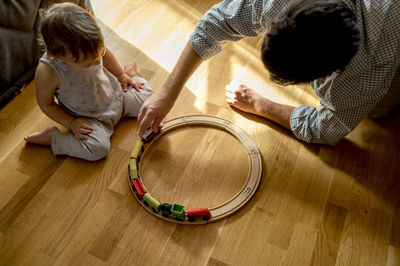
346 102
232 20
225 21
325 125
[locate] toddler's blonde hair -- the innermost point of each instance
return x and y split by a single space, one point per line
68 28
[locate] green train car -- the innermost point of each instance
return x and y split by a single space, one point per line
178 211
175 210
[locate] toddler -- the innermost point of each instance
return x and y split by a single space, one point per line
93 92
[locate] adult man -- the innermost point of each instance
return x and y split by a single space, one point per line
348 49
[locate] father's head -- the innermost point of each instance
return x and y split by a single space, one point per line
310 40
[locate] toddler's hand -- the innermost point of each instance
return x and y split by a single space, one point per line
81 128
126 81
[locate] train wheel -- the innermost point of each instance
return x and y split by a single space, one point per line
154 210
145 203
206 218
165 215
191 219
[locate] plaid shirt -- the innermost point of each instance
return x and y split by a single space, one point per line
369 86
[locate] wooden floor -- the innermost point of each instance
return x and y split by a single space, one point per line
316 205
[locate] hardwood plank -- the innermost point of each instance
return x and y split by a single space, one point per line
301 245
10 186
21 227
226 249
393 256
144 241
329 237
30 163
39 258
88 185
108 239
83 247
215 262
184 245
291 207
365 237
256 238
14 125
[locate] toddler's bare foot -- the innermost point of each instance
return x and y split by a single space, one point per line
243 98
131 69
42 138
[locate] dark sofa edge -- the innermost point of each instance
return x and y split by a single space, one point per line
17 86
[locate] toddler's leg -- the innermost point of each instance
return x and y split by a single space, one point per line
131 69
43 138
96 147
133 99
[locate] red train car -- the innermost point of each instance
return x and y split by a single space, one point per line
138 188
198 213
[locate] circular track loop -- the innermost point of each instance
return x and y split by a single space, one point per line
255 165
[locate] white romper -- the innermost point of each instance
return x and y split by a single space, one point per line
96 96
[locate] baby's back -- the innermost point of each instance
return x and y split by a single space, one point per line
91 93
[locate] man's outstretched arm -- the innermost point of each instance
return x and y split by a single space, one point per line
320 126
156 107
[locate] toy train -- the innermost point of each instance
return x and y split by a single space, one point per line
167 210
150 134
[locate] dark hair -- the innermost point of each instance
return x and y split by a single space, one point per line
68 28
310 40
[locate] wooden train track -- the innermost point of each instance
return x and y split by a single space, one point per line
255 165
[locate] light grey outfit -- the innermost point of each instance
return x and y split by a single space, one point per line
369 86
96 96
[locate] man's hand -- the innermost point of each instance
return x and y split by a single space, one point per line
126 81
81 128
248 100
153 111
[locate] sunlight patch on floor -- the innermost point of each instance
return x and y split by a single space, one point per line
241 59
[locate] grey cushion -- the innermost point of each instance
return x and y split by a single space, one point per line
18 14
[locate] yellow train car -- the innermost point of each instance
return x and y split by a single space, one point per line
133 172
136 150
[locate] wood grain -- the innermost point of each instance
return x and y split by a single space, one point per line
316 205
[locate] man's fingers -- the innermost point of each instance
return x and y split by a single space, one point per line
141 114
146 122
156 124
231 101
228 88
232 86
230 95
